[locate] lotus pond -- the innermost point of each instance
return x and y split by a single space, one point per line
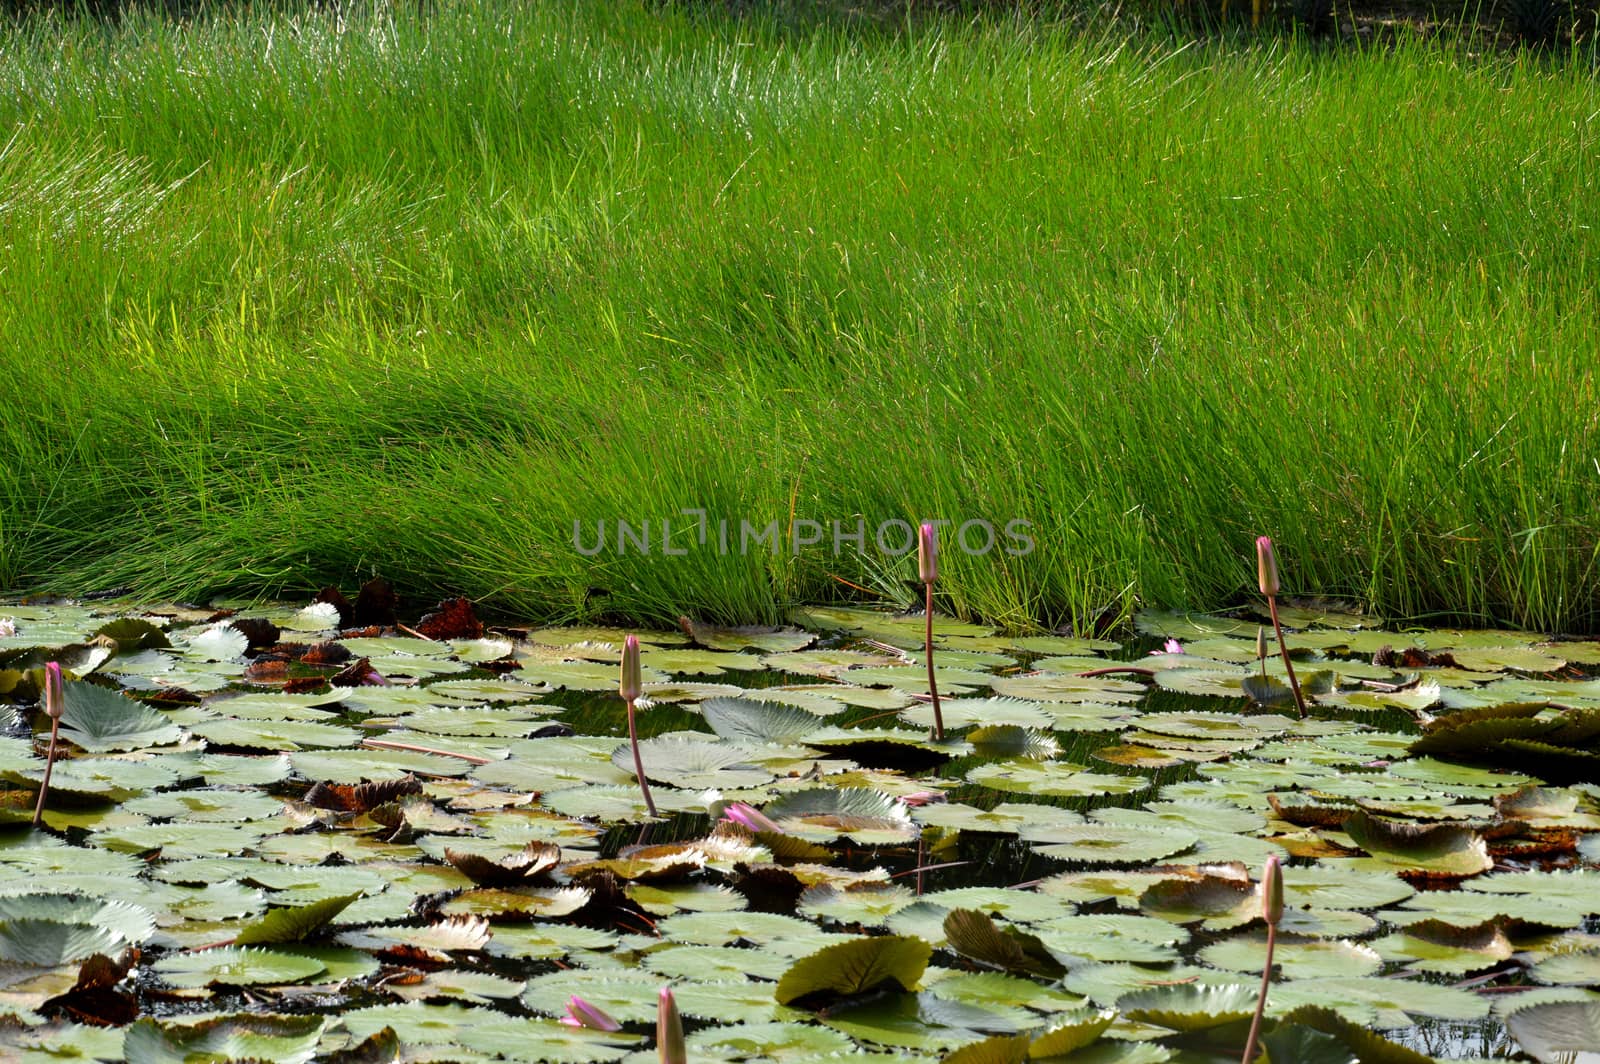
285 833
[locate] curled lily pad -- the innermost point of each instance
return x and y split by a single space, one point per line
1191 1007
856 966
45 943
828 813
1564 1032
131 922
293 924
1442 848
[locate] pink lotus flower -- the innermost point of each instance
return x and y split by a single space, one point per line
582 1014
1171 646
916 798
1266 566
55 696
927 553
630 685
750 817
669 1030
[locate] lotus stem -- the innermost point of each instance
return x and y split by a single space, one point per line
928 570
1272 912
1267 577
55 703
630 687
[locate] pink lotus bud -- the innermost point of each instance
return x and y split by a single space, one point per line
928 553
1266 566
1272 892
55 695
1261 643
631 686
916 798
750 817
669 1030
582 1014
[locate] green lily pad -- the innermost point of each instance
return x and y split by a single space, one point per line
744 720
293 924
693 764
1558 1032
98 720
1443 848
1397 1001
243 1036
771 1041
1298 958
1054 778
236 966
967 712
1190 1008
856 966
45 943
1109 844
219 806
870 817
131 922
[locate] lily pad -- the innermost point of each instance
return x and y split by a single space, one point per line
245 1036
98 720
236 966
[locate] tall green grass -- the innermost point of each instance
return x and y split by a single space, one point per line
294 298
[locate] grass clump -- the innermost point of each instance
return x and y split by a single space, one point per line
297 294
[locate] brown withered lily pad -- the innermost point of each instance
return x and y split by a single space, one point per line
451 619
534 864
360 797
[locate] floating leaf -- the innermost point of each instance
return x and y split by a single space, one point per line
1191 1008
868 816
856 966
1396 1000
99 720
244 1036
132 634
1109 844
1442 848
45 943
693 764
236 966
1299 958
976 936
131 922
1054 778
1558 1032
293 924
745 720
